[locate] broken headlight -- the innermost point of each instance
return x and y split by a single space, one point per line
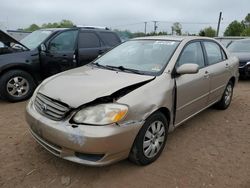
101 114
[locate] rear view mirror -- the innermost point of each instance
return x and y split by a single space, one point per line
188 68
43 48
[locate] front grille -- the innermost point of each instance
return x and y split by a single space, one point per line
50 108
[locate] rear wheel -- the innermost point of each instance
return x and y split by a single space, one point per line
226 99
16 85
151 140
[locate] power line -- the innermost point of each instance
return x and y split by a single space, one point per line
171 22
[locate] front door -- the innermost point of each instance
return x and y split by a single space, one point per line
192 89
60 54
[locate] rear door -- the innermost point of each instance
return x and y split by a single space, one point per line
89 47
110 39
60 54
218 68
192 89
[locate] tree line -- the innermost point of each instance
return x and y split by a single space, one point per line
235 28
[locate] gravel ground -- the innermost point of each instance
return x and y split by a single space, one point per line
210 150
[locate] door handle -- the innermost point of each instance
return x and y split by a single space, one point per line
101 51
206 74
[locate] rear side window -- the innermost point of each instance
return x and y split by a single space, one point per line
109 38
214 53
192 53
88 40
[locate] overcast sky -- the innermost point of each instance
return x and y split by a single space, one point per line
126 14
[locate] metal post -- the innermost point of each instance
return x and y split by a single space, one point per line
155 26
145 28
218 27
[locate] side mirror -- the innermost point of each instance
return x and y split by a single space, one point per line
189 68
43 48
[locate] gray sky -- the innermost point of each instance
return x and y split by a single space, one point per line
126 14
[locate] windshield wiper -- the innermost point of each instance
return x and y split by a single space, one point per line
122 68
101 66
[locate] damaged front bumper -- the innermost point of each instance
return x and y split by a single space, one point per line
85 144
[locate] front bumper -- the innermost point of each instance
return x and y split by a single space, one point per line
89 145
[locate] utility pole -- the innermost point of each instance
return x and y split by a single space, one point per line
218 27
145 28
155 26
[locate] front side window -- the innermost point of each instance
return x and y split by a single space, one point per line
192 54
214 53
64 41
148 56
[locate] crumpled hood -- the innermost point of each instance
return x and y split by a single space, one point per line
85 84
243 56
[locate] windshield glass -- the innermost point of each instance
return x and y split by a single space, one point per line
34 39
148 56
240 46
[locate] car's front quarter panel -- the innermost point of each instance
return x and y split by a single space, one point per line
28 60
142 102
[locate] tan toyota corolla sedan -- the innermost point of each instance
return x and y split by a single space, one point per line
124 103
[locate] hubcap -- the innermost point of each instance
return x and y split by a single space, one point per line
153 139
17 86
228 94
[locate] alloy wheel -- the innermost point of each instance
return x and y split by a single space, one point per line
17 86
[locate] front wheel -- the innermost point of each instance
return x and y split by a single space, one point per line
226 99
16 85
150 140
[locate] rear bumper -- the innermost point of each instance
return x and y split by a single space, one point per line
89 145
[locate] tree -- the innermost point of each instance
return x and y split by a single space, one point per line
235 28
247 20
66 24
61 24
32 27
208 32
176 28
246 32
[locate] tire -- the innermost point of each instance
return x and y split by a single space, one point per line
16 85
140 152
226 98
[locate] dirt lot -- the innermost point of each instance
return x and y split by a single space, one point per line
211 150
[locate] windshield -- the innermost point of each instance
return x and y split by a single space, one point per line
34 39
240 46
147 56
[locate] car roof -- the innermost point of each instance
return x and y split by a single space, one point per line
175 38
240 40
83 28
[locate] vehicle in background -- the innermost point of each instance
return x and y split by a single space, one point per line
43 53
124 103
227 40
241 49
18 34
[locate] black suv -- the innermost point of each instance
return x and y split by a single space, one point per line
45 52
